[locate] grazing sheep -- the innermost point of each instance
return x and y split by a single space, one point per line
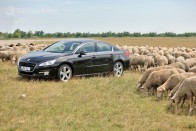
138 60
179 65
134 61
188 50
11 45
18 44
174 90
170 58
157 78
190 62
32 48
192 54
180 59
172 82
150 62
193 69
147 73
6 55
31 44
176 53
5 48
186 55
187 90
161 60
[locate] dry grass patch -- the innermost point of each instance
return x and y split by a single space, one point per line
130 41
153 41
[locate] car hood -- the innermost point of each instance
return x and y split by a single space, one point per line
42 56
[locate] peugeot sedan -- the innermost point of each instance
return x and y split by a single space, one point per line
70 57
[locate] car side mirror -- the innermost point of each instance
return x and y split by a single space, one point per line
83 53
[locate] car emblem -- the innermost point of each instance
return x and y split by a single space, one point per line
28 59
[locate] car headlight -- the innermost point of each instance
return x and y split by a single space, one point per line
47 63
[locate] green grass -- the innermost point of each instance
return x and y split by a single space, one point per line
95 103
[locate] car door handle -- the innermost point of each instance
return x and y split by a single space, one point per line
94 57
111 55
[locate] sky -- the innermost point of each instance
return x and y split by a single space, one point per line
95 16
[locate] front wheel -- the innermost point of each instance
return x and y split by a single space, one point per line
118 69
64 73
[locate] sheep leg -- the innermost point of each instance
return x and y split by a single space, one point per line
138 67
168 92
177 111
193 99
135 68
159 93
191 105
145 67
132 67
182 103
154 90
141 69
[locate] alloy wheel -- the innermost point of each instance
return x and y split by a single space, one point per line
65 73
118 69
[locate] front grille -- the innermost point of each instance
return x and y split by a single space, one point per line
31 65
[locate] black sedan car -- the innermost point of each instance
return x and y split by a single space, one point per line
70 57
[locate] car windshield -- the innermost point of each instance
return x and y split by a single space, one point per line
62 47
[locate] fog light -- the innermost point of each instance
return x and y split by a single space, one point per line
46 73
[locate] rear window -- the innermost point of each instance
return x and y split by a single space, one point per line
115 48
89 48
101 47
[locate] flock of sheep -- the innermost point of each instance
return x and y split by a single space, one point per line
164 69
170 70
12 52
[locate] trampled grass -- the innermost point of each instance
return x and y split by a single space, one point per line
95 103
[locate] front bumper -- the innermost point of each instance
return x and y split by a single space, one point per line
39 71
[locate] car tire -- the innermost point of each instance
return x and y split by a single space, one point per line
64 73
118 69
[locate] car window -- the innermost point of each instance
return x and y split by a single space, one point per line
89 47
62 47
73 46
101 47
115 48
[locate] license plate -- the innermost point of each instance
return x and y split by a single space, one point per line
24 68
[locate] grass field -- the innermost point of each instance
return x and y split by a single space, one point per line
95 103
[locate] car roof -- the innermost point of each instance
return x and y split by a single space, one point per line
82 40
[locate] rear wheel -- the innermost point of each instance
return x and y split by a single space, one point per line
64 73
118 69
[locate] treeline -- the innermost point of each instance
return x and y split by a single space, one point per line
41 34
